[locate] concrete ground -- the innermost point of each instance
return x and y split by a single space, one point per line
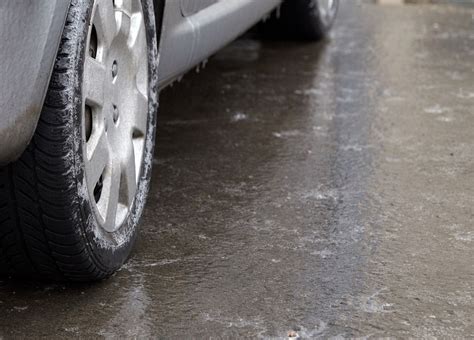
322 190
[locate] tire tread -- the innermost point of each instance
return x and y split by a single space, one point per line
37 234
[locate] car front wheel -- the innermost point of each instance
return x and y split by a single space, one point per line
71 204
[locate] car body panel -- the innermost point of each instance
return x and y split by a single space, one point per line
189 7
189 40
191 31
27 60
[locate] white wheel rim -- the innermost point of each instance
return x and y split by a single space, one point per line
115 108
327 10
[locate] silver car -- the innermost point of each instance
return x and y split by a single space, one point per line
79 87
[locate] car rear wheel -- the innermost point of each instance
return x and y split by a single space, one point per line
70 205
303 19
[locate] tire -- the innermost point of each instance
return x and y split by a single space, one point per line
309 20
51 222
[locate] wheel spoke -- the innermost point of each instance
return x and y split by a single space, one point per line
130 174
326 9
97 157
123 24
323 7
141 113
93 85
137 37
112 190
104 21
127 6
138 46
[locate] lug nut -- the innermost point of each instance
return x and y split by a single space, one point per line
114 69
115 114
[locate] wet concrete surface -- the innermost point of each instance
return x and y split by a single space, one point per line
325 189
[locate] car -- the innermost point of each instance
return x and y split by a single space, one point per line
79 88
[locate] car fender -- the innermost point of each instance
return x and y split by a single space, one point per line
30 32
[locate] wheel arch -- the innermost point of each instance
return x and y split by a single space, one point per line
30 32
